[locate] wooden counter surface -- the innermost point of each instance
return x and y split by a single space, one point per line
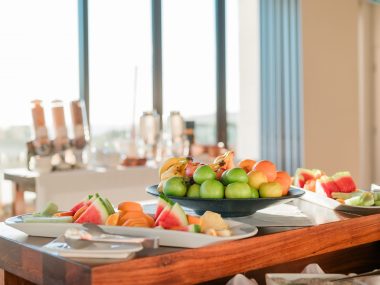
22 257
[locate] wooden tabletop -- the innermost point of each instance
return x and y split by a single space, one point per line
22 255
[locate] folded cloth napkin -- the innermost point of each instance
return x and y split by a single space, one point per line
283 215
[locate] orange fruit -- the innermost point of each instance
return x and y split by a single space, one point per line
285 180
247 164
267 167
150 220
113 219
124 216
193 220
130 206
79 212
136 222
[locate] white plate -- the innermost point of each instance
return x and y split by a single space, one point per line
166 237
335 205
289 278
94 250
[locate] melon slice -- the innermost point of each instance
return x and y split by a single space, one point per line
163 215
96 213
211 220
326 186
175 218
163 201
86 201
109 206
344 182
302 175
189 228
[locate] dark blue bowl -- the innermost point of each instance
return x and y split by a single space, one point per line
229 207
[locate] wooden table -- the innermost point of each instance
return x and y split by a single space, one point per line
23 180
342 243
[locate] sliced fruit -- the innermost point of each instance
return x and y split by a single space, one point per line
193 220
50 209
129 206
211 220
302 175
149 220
174 218
344 182
109 206
163 214
224 233
365 199
188 228
124 216
113 219
325 186
31 219
137 222
344 196
163 201
96 213
79 212
86 201
310 185
64 214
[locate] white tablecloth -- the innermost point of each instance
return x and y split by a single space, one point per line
68 187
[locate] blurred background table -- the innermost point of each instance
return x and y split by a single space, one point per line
68 187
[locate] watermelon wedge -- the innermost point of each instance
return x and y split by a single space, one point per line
344 182
163 201
302 175
175 218
96 213
162 215
326 186
86 201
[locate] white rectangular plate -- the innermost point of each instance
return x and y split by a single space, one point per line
289 278
335 205
166 237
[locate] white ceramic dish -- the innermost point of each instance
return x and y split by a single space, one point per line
166 237
335 205
94 250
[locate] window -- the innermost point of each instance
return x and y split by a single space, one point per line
38 59
120 49
189 67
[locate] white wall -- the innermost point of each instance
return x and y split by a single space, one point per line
248 140
331 97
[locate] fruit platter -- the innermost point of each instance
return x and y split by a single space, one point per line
337 192
169 223
232 191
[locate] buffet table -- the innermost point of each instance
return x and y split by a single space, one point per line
340 243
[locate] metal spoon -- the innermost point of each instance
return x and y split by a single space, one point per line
79 238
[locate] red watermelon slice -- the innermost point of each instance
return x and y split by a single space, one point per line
176 217
325 186
163 201
162 215
344 182
302 175
86 201
189 228
96 213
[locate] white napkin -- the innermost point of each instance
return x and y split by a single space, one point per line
283 215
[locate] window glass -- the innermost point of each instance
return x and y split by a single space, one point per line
38 60
189 64
120 54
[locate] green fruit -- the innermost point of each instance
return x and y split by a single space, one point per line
175 186
223 179
270 190
194 191
238 190
236 175
254 193
203 173
212 189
